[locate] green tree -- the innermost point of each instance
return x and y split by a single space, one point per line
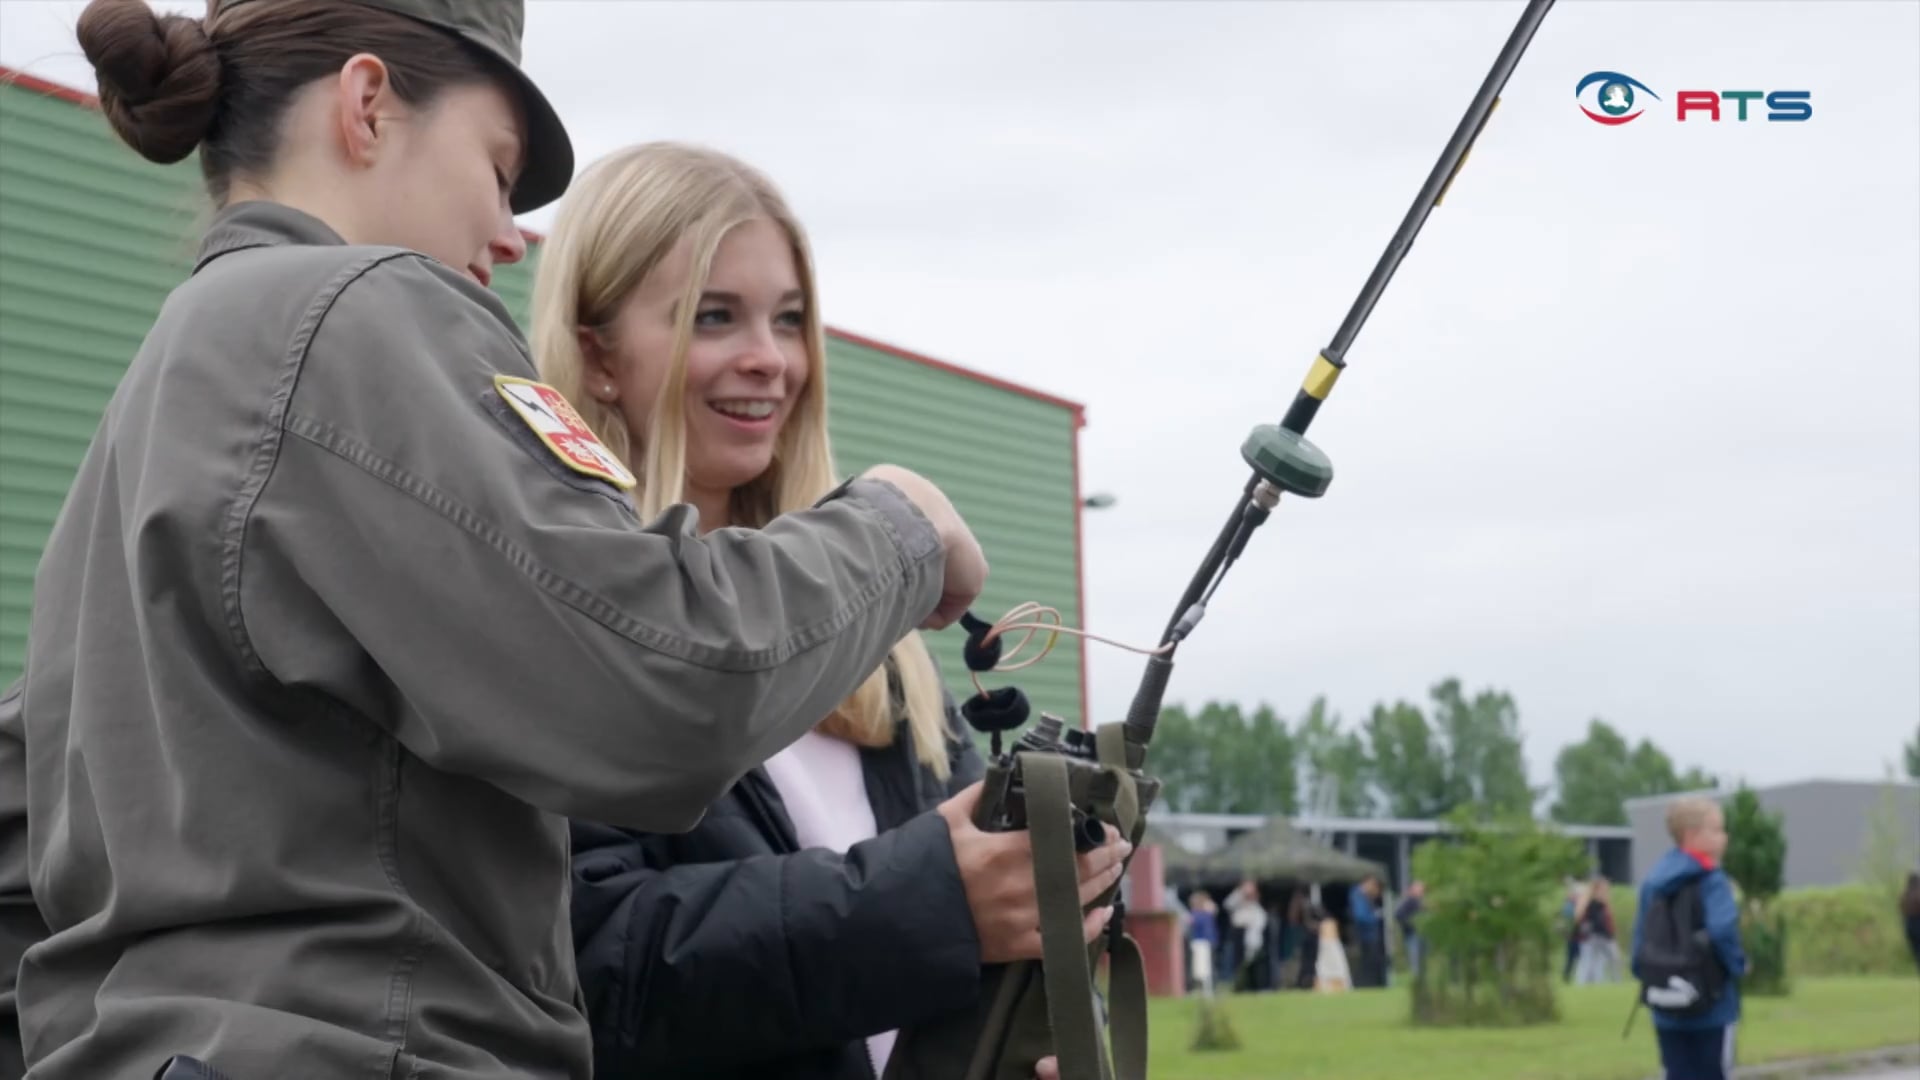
1756 860
1889 852
1596 776
1221 762
1333 758
1756 857
1486 763
1913 754
1178 758
1493 947
1266 777
1409 762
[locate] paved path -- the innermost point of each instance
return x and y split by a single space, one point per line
1890 1064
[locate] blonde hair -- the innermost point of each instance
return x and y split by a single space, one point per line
620 219
1689 814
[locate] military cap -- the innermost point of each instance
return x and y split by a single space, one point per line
495 28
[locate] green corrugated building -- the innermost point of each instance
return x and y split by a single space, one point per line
92 238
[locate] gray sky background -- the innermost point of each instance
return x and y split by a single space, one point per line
1635 433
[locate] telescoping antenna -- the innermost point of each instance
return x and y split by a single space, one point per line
1282 458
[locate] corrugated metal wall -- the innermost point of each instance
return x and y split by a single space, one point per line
92 238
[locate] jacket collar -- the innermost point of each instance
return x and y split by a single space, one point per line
1705 860
257 223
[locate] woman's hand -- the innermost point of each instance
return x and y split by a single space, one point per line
997 872
1047 1069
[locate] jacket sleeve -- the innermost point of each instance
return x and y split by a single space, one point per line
416 517
20 923
1723 923
700 967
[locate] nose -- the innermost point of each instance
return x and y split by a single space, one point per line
509 244
763 355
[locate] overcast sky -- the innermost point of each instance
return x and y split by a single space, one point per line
1634 434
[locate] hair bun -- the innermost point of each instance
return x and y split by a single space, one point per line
159 76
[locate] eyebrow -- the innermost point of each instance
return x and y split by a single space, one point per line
734 298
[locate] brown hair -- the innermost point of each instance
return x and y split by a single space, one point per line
171 84
1910 900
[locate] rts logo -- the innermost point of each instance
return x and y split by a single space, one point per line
1618 103
1617 100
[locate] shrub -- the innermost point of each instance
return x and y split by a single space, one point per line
1845 930
1213 1028
1763 934
1492 947
1756 860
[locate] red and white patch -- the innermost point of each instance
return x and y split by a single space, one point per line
547 412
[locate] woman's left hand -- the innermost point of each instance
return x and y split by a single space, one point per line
1047 1069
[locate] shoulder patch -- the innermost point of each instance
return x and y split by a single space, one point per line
547 413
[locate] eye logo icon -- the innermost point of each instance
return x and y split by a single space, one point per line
1614 97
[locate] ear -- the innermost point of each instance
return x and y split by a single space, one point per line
601 384
361 95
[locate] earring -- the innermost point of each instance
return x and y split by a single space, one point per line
607 389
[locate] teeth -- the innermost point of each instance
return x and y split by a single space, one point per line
746 410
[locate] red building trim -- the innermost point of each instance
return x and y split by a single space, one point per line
74 96
51 89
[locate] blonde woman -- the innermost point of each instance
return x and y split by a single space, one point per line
840 892
1599 947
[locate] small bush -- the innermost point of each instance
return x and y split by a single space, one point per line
1756 860
1492 950
1847 930
1763 933
1213 1028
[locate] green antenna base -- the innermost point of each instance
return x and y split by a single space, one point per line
1288 461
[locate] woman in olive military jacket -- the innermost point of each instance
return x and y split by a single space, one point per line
344 611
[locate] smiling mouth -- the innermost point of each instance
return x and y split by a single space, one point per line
744 409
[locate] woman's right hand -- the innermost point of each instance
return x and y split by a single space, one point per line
966 563
997 872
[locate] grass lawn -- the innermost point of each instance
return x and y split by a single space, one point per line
1364 1035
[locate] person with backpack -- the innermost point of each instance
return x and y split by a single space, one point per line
1687 953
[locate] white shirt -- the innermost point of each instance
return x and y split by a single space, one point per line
820 780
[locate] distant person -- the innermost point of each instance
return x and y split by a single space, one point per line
1293 938
1690 982
1203 934
1249 918
1304 921
1910 915
1331 974
1271 973
1407 915
1569 910
1599 946
1369 932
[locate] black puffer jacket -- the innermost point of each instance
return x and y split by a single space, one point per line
727 952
